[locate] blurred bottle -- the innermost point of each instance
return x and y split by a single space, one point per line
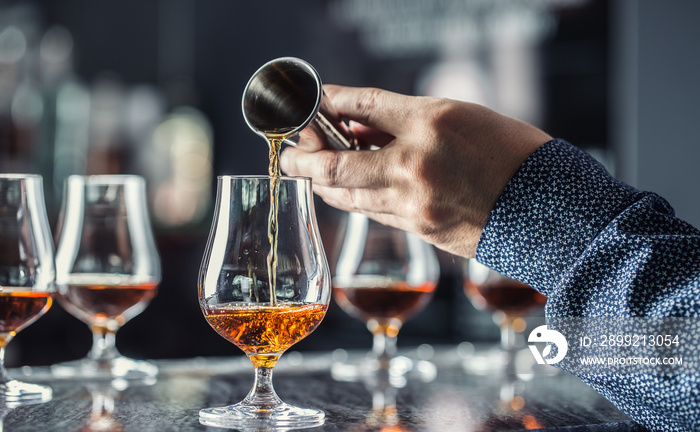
181 173
66 100
107 149
20 101
44 109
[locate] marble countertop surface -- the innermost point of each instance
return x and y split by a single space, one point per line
444 389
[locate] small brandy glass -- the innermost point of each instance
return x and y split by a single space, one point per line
264 284
107 268
384 276
508 301
27 273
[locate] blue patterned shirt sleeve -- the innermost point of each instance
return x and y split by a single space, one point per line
597 247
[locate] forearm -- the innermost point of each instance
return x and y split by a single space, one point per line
599 248
570 230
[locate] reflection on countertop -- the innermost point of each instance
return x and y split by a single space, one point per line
452 400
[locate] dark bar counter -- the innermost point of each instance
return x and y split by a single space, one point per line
447 398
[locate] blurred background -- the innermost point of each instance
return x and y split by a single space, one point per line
153 87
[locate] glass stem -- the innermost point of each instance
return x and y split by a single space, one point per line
104 344
4 376
384 346
262 394
384 342
508 344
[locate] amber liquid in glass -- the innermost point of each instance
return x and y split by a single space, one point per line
100 298
19 308
511 297
382 300
264 332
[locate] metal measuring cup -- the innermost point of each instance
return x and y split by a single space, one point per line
285 96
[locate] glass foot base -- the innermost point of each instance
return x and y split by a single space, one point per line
497 362
120 367
246 417
399 369
486 362
17 393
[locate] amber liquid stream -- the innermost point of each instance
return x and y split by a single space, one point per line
274 171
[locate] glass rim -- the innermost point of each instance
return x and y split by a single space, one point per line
20 176
261 177
97 179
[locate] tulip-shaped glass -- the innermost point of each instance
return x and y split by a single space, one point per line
508 301
264 285
107 268
383 277
27 273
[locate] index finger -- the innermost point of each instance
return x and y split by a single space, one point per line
336 169
380 109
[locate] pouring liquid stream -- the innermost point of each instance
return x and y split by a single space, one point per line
274 139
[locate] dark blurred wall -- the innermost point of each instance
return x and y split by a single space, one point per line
202 53
656 99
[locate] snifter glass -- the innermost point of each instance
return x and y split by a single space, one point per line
26 273
508 301
264 285
384 276
107 268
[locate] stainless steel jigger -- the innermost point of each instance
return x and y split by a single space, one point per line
285 96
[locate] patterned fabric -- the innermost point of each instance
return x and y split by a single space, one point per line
597 247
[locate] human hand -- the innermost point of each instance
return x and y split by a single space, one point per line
439 167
